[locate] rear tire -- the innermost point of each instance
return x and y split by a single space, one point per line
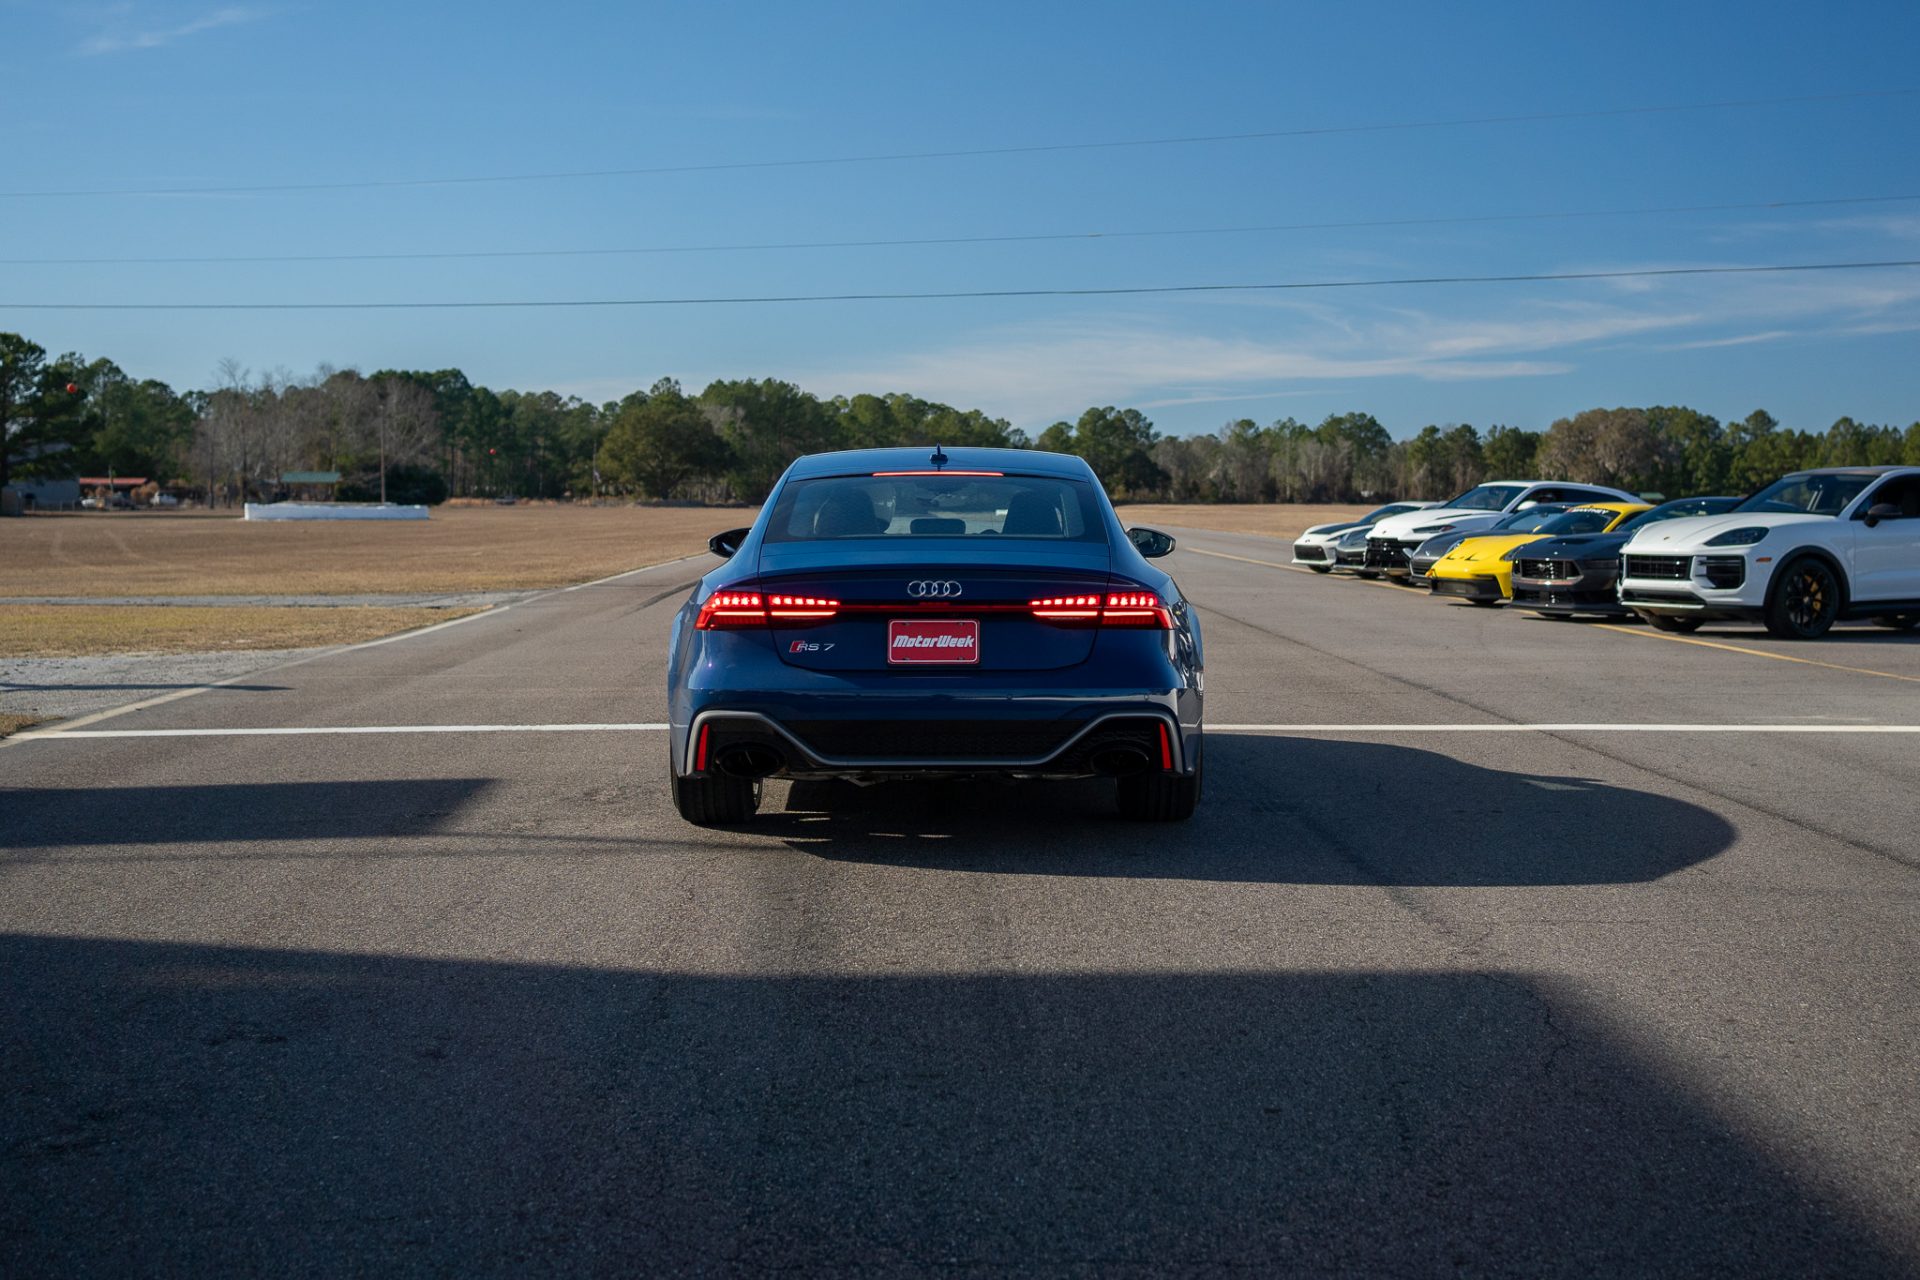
1898 622
1160 797
1662 622
1321 568
1365 575
1803 600
716 801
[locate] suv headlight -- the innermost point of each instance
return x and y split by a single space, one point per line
1434 528
1737 538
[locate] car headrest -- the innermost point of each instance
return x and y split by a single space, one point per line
847 513
1033 515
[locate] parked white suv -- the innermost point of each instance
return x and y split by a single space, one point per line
1810 549
1391 542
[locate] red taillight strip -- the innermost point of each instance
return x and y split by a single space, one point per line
939 473
730 609
1166 748
700 752
1121 609
801 608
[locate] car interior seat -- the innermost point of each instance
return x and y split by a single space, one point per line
848 513
1033 515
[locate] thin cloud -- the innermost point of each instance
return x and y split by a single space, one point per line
1035 372
123 35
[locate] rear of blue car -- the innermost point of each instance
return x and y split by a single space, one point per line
898 614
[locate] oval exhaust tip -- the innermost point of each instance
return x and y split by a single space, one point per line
750 761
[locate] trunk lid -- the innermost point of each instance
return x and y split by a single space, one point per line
926 610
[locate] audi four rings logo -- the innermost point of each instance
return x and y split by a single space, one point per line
933 590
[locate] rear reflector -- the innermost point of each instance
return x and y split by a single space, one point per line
1121 609
700 752
1166 749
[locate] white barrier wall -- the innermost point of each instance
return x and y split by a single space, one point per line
332 511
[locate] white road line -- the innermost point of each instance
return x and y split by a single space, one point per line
1564 728
72 727
298 731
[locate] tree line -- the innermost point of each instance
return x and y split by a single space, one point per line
431 434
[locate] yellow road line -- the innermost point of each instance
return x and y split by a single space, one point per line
1275 564
1757 653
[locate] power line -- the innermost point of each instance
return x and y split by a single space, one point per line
1376 223
259 188
1642 273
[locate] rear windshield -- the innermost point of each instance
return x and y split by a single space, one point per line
935 506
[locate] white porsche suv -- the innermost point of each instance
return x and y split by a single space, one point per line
1390 543
1808 550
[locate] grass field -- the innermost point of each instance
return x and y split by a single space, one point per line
76 631
1272 520
10 723
459 549
107 555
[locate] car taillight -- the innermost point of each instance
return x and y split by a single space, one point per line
1113 609
1067 608
752 609
732 609
801 608
1136 609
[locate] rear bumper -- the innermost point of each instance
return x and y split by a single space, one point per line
870 746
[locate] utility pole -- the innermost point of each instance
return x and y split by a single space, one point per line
385 410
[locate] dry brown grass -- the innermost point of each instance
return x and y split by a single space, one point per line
1268 519
459 549
10 723
85 630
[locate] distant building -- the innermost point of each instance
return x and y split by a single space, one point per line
308 486
39 495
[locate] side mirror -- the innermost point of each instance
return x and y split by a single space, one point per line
1150 543
725 544
1883 511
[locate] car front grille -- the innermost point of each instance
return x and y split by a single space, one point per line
1385 553
1724 572
1547 570
1675 568
1301 551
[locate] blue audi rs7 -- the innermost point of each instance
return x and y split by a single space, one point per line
906 613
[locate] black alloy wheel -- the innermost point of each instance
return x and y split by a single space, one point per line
1804 600
1667 622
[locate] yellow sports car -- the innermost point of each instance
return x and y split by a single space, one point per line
1478 570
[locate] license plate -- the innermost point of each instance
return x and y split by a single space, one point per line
920 643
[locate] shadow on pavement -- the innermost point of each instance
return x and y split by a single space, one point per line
196 1110
239 812
1279 809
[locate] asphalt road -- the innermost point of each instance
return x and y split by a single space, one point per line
1453 996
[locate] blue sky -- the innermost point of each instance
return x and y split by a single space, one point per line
183 93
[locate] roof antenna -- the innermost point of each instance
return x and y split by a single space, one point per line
939 458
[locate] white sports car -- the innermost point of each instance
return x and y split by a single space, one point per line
1391 544
1808 550
1317 548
